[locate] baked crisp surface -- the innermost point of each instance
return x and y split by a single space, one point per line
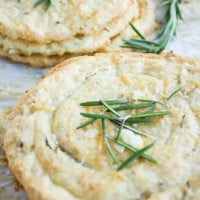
69 28
52 159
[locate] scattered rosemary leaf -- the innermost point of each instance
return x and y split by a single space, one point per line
84 124
110 108
99 103
134 156
152 101
129 118
130 128
137 31
38 2
174 93
46 2
149 114
110 150
120 128
131 148
133 106
98 116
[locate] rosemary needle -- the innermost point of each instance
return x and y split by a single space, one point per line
134 156
129 118
109 108
150 114
84 124
99 116
99 103
152 101
130 128
110 150
138 33
133 106
121 127
131 148
38 2
174 93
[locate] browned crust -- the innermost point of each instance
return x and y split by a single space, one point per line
43 61
19 169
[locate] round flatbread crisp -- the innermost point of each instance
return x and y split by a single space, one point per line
64 19
53 159
67 26
84 41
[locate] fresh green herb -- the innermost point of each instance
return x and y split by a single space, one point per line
130 128
131 148
133 106
99 103
46 2
110 108
150 114
152 101
125 122
99 116
129 118
121 127
174 93
84 124
137 32
135 156
166 34
110 150
121 121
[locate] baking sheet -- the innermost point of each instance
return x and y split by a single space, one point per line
15 79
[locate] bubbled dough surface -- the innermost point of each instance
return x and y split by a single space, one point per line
76 166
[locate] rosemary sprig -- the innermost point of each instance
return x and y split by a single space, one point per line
38 2
165 35
125 122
